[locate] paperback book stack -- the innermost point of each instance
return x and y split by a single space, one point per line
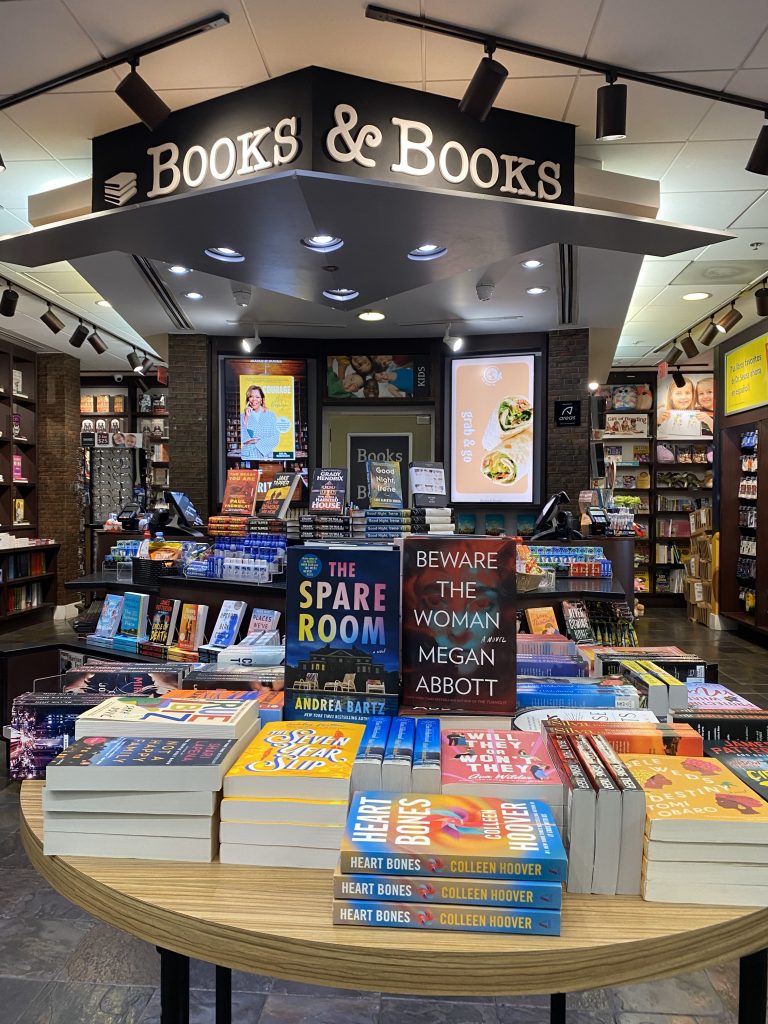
450 863
42 725
325 527
399 753
576 692
706 833
167 716
285 799
133 623
380 524
432 520
112 678
108 622
163 613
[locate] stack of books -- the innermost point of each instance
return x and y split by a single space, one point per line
150 798
325 527
42 725
191 633
573 691
134 627
732 724
706 833
285 799
116 678
170 716
380 524
716 697
269 704
432 520
450 863
163 614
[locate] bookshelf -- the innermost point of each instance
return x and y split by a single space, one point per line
27 584
18 440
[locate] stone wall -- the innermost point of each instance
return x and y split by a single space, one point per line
568 447
189 409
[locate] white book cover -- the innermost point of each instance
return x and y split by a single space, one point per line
164 716
227 624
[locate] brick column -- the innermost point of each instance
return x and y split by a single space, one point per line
58 459
568 447
189 404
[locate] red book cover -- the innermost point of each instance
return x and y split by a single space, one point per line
479 762
459 624
240 492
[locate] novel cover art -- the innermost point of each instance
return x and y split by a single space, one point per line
459 624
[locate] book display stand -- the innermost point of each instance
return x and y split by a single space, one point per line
613 940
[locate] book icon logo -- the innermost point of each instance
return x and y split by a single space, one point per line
120 188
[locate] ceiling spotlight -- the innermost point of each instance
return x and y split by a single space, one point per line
247 344
696 296
709 333
193 295
225 254
455 344
79 335
688 346
430 251
611 121
758 159
146 364
532 264
176 268
97 343
593 385
761 300
142 385
536 290
2 165
485 290
340 294
370 315
728 320
142 99
679 379
104 303
674 355
9 301
134 361
322 243
485 86
51 321
241 295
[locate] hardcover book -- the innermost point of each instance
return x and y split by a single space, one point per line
163 716
109 619
263 620
404 889
17 469
228 623
427 480
115 679
716 697
240 492
19 514
327 496
577 624
633 737
385 487
42 725
459 624
541 620
87 404
445 835
16 424
435 917
751 769
133 622
342 640
163 620
508 765
192 626
277 500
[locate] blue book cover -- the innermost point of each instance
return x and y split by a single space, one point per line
489 893
374 741
337 707
109 618
228 624
445 918
426 750
142 752
553 697
401 740
133 623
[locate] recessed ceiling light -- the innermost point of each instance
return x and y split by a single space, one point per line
192 295
536 290
695 296
532 264
340 294
104 303
225 254
428 251
176 268
322 243
370 314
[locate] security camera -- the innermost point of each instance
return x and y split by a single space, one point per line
118 378
241 295
484 290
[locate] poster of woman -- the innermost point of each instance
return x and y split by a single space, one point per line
687 410
266 418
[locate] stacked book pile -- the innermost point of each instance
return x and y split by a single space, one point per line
450 863
660 690
191 633
706 832
285 799
325 527
750 724
531 719
432 520
380 524
401 754
42 725
716 697
574 691
163 614
116 678
235 677
269 704
227 526
608 661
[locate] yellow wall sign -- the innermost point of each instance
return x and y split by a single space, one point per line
746 376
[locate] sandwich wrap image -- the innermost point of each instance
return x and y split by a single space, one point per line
512 415
509 461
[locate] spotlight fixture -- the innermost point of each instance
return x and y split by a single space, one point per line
674 355
97 343
758 158
532 264
455 344
142 99
51 321
688 346
370 315
679 379
322 243
761 300
225 254
2 164
247 344
146 364
430 251
709 333
134 361
79 335
142 385
611 120
728 320
9 300
251 344
485 86
340 294
696 296
176 268
593 385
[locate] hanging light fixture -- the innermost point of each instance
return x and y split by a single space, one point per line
142 385
611 119
97 343
674 355
134 361
485 86
9 300
146 364
729 319
453 343
761 300
758 158
709 333
51 321
688 346
142 99
79 335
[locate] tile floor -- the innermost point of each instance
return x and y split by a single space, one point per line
58 965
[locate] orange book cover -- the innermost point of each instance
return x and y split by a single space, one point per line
541 620
187 640
304 750
240 492
635 737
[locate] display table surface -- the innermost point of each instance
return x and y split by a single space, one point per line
99 581
277 921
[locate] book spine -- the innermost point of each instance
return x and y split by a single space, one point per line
426 750
567 763
374 739
536 869
530 895
439 917
552 697
400 742
716 727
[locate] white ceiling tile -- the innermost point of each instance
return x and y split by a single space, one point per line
642 161
11 224
15 143
724 121
756 216
704 209
740 247
689 34
64 123
671 298
22 177
542 97
660 271
759 56
291 35
710 166
644 293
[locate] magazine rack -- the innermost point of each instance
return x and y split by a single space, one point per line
605 940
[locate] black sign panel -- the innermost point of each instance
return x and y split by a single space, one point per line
568 413
325 121
363 448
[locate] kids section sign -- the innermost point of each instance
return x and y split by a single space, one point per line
321 120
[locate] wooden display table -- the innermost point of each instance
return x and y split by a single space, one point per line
278 921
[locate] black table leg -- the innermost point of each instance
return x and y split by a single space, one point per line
174 987
223 995
557 1008
753 987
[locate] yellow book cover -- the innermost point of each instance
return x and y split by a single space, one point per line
303 759
541 620
697 799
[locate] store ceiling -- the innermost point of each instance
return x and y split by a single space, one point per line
697 149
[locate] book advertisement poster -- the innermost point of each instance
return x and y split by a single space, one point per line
492 429
459 624
267 417
342 641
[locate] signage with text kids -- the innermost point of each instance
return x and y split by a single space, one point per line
492 429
